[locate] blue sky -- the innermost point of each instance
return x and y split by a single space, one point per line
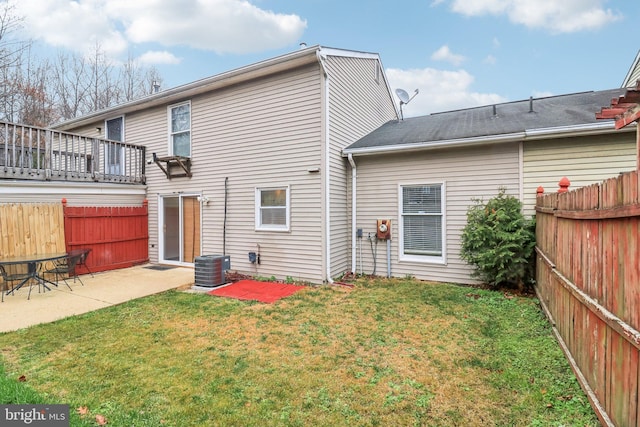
458 53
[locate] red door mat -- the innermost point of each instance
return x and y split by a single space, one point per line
259 291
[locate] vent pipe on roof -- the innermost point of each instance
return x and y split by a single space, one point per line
531 104
495 111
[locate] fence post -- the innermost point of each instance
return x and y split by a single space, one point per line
564 184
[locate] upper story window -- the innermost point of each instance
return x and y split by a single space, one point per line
422 223
114 129
114 153
180 129
272 209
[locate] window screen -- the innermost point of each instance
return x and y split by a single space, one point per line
422 220
181 130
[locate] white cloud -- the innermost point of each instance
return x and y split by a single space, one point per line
542 93
439 90
154 57
64 23
223 26
490 59
445 54
564 16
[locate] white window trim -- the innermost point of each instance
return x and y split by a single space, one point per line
114 118
170 130
281 228
114 168
424 259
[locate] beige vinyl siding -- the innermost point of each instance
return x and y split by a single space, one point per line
150 128
584 160
633 75
358 104
264 133
466 173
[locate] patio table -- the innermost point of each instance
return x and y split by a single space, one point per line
32 262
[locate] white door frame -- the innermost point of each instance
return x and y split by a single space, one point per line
161 230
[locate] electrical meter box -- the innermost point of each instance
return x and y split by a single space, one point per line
383 229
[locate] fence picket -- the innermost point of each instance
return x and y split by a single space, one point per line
590 290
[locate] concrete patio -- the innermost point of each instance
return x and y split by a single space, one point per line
103 290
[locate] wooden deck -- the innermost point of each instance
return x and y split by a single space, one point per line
31 153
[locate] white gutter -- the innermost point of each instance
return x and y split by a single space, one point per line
418 146
528 134
327 168
569 131
353 213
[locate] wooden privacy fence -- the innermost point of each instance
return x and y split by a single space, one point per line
28 229
117 236
588 272
32 228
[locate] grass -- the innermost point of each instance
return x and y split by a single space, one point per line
387 352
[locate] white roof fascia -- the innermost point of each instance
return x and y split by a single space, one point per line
430 145
569 131
527 135
330 51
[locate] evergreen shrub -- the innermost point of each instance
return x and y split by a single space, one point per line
498 241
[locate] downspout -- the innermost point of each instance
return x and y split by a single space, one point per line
327 169
353 213
521 171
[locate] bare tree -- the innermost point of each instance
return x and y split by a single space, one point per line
34 103
40 92
68 85
11 55
137 80
10 50
84 84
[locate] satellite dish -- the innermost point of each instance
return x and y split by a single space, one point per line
402 95
404 99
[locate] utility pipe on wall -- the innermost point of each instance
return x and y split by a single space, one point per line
388 257
327 168
353 214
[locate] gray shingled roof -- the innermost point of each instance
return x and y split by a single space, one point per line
561 111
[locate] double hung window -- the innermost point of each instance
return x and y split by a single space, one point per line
180 129
422 223
272 209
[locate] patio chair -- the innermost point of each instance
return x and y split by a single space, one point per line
66 267
83 258
10 278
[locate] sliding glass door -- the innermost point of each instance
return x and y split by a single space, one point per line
180 230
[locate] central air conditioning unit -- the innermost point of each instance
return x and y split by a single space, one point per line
209 270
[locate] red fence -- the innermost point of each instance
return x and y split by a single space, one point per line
588 273
118 236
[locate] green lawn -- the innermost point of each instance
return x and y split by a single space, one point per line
387 352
